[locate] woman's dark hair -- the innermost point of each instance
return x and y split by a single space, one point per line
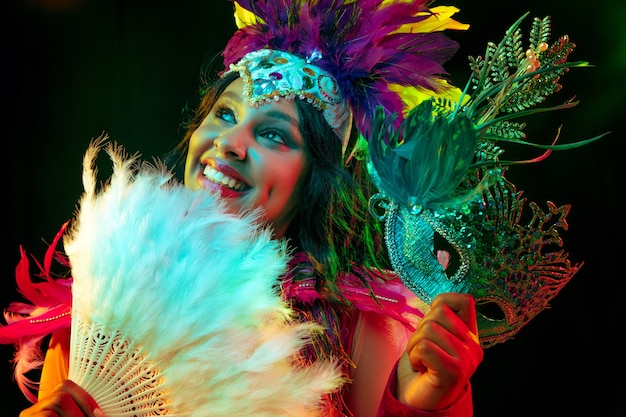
332 226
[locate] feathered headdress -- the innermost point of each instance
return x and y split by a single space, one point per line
341 55
453 221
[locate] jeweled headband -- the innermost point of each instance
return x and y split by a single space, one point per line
269 75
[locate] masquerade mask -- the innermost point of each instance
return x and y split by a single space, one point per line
482 249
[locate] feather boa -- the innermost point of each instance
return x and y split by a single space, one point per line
47 310
164 273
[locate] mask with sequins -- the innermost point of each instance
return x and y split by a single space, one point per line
511 268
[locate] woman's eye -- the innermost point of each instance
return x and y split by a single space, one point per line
274 136
226 114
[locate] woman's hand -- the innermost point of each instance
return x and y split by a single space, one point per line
442 354
66 400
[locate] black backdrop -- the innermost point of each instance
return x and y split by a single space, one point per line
73 69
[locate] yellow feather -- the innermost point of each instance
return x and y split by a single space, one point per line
412 96
244 17
439 21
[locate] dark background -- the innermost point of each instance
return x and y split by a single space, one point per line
74 69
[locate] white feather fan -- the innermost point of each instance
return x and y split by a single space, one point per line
175 310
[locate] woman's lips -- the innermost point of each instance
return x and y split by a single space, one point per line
222 179
219 177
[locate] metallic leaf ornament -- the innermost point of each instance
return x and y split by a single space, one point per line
453 222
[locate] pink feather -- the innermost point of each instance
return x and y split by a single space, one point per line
48 311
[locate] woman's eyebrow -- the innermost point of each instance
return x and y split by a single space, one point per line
231 95
277 114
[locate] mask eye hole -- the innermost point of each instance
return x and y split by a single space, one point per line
440 243
490 310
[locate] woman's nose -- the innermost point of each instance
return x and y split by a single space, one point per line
232 144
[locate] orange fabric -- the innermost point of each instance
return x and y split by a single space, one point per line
56 365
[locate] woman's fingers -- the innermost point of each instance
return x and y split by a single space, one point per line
66 400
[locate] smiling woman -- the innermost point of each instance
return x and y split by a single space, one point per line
293 154
278 134
252 156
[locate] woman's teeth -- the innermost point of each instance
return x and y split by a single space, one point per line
219 178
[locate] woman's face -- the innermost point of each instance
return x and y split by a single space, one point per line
252 156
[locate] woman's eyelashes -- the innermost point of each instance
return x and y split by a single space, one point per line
273 136
270 135
226 114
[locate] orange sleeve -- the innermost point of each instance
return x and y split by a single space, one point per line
56 364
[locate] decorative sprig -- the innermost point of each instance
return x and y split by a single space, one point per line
540 32
511 78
